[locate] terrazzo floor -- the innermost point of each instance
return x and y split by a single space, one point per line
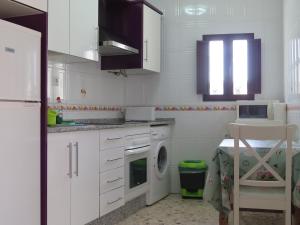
176 211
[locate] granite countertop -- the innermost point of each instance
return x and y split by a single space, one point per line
100 124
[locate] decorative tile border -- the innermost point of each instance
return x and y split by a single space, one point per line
293 107
85 107
196 108
167 108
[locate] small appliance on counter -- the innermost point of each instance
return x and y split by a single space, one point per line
266 112
140 113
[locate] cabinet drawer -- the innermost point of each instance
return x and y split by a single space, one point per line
137 131
111 139
111 201
111 159
111 179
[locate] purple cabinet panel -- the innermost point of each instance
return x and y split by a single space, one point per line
123 20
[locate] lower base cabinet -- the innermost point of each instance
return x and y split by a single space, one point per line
73 178
111 200
112 174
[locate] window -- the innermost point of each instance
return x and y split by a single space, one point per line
229 67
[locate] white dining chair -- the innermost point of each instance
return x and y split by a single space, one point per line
257 194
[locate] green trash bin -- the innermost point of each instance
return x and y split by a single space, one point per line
192 178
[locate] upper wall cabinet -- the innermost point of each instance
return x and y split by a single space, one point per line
84 31
141 28
58 26
152 40
73 28
38 4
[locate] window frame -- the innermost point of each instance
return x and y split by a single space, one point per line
228 64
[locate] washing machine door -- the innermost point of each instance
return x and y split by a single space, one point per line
161 160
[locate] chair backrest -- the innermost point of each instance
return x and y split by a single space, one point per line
279 134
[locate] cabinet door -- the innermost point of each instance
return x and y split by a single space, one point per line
152 40
59 182
85 182
38 4
84 29
58 26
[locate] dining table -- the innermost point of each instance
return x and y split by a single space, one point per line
219 182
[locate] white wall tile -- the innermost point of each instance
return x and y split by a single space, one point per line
291 33
193 148
175 179
101 87
196 134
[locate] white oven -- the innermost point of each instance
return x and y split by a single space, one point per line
136 165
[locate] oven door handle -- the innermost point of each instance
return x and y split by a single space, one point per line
137 151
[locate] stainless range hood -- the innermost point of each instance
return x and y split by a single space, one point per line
113 48
113 45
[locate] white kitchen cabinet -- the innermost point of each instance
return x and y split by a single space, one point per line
59 183
73 178
112 157
85 183
111 180
152 40
111 201
146 36
38 4
84 31
58 26
111 138
73 28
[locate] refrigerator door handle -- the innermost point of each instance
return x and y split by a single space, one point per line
70 147
77 161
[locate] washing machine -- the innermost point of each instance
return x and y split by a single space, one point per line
159 175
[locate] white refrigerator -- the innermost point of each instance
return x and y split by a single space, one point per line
20 74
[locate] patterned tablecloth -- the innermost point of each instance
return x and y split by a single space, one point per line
219 183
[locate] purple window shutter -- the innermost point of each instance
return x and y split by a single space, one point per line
202 67
254 66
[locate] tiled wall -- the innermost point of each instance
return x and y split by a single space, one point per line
292 50
84 84
197 134
292 60
293 117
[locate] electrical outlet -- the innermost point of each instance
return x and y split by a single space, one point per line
83 92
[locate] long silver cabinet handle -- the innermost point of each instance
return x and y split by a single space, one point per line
113 139
115 180
97 38
109 203
146 50
77 160
112 160
70 160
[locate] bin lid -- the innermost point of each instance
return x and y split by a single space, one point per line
193 164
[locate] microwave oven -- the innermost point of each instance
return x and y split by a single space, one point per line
262 112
